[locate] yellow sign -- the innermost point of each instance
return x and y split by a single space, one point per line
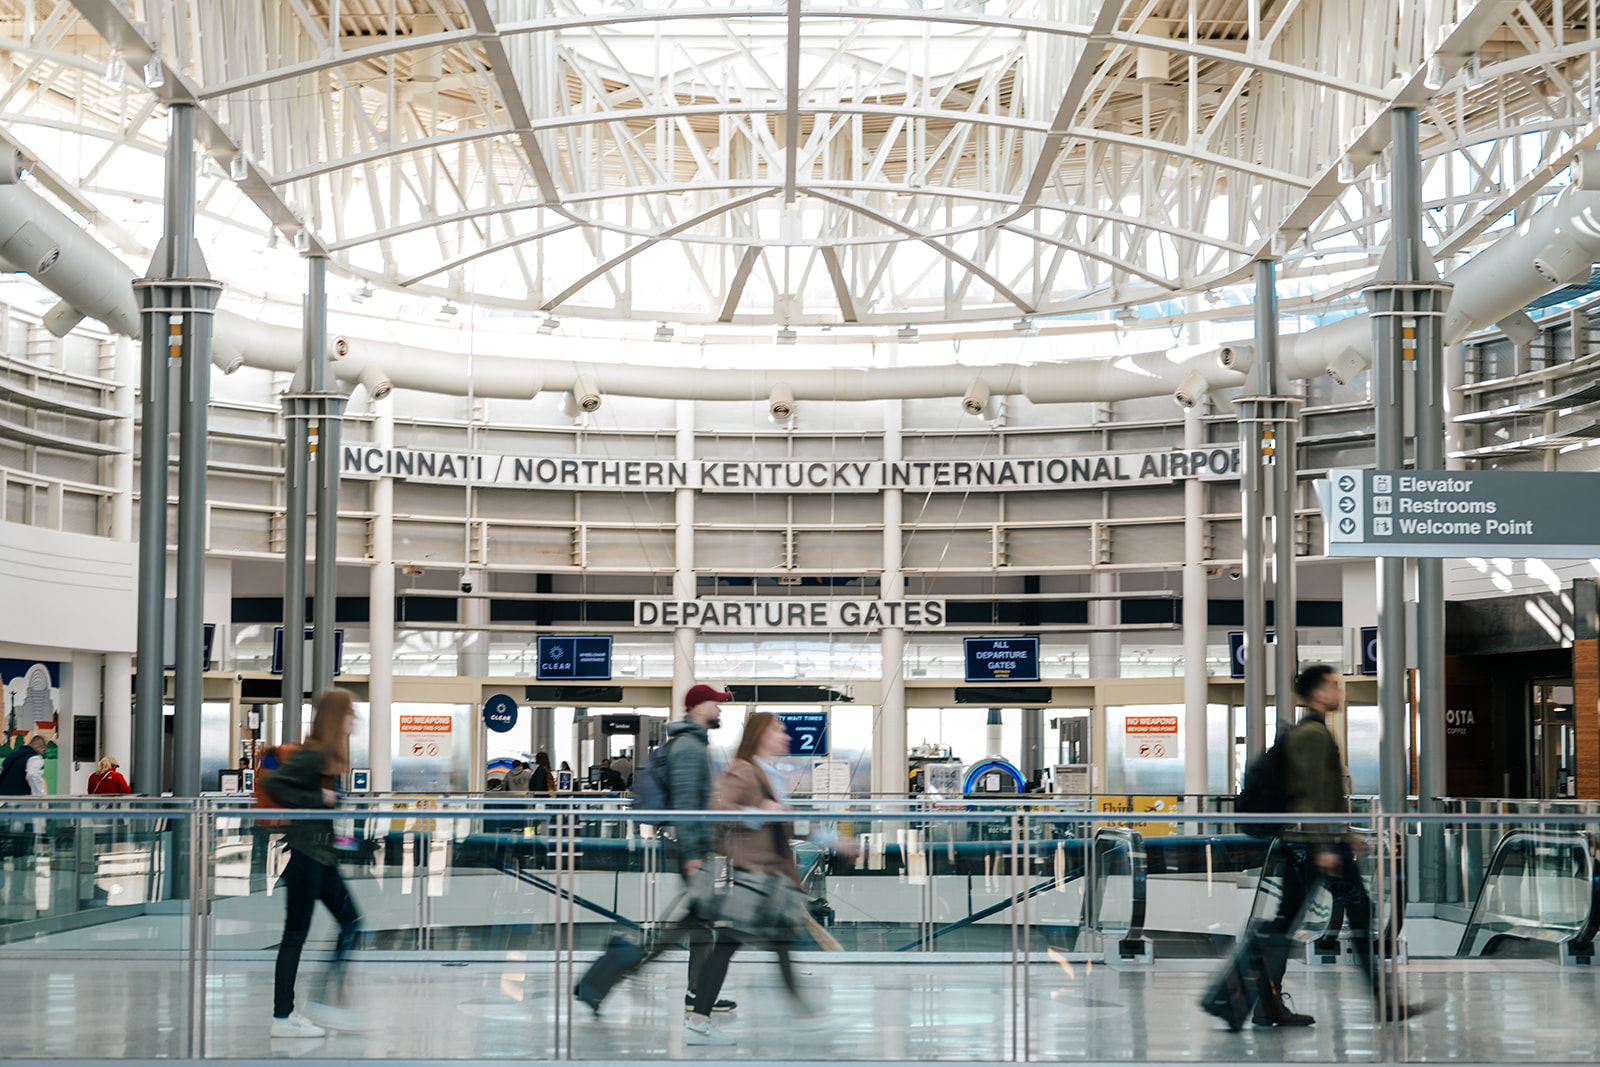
1134 805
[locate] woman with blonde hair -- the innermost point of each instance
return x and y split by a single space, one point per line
765 904
309 779
107 779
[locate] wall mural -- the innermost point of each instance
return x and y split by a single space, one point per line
32 692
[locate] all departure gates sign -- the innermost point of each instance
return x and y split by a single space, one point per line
1096 470
1458 514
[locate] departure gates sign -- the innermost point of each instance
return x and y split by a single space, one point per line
979 474
1458 514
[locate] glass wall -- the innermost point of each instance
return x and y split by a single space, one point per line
1144 748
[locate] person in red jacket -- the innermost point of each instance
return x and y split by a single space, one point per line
107 779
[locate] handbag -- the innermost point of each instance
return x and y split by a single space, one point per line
753 904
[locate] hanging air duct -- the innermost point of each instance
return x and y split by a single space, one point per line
1152 65
375 381
976 400
61 319
569 406
338 347
1190 390
1586 171
225 359
427 65
1239 358
38 239
585 395
1565 260
1346 365
780 405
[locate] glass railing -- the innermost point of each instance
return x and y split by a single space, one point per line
970 930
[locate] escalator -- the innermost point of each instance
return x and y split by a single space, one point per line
1540 898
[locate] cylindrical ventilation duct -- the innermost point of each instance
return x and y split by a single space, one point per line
976 400
376 382
780 405
585 395
1190 390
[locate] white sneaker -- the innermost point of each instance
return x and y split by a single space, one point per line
704 1034
343 1019
296 1025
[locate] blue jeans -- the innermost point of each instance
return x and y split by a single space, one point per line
304 882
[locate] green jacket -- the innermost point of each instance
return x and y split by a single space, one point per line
299 784
1314 776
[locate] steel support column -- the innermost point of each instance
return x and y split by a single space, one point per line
328 407
177 299
1285 492
1196 609
683 577
296 476
890 762
154 396
380 676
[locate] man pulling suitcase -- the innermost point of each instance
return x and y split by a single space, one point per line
681 770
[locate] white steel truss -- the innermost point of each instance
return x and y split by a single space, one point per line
797 162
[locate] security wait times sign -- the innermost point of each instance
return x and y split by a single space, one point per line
1460 514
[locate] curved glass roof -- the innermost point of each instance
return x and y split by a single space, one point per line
880 163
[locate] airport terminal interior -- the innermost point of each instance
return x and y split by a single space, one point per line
991 425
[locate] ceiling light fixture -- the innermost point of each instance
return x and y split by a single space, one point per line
907 335
302 240
786 335
550 325
449 309
1128 317
1026 328
663 333
1433 74
116 68
1346 172
155 75
238 169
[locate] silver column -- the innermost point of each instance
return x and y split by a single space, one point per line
328 407
380 615
176 300
1389 311
1196 608
1254 488
154 390
1285 491
296 476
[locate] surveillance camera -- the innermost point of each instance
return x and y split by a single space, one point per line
1234 573
238 677
466 581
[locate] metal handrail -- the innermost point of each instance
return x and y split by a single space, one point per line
1113 841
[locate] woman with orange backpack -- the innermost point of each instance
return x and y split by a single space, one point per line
309 779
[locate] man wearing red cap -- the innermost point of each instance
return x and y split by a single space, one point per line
689 775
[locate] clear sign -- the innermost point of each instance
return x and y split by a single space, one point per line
500 713
1002 659
1459 514
808 732
574 659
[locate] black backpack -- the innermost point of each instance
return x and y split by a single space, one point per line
652 782
1265 790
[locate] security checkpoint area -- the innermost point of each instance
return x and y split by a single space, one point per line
990 427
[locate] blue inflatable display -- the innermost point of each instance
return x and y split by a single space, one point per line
993 765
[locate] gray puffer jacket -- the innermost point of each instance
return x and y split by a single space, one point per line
689 778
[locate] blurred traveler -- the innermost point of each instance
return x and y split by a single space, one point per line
308 780
22 774
765 904
1314 782
519 776
107 779
610 780
624 768
542 779
674 777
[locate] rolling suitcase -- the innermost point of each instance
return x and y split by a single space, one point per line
620 959
1233 992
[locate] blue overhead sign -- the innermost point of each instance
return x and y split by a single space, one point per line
575 659
808 732
1236 651
1002 659
500 713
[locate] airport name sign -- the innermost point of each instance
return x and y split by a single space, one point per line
1459 514
993 474
789 614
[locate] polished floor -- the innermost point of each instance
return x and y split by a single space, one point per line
924 1008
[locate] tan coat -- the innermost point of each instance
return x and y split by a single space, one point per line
765 849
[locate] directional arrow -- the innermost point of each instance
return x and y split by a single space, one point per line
1347 484
1347 504
1347 525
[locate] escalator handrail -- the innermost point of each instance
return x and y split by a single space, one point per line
1521 838
1107 840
